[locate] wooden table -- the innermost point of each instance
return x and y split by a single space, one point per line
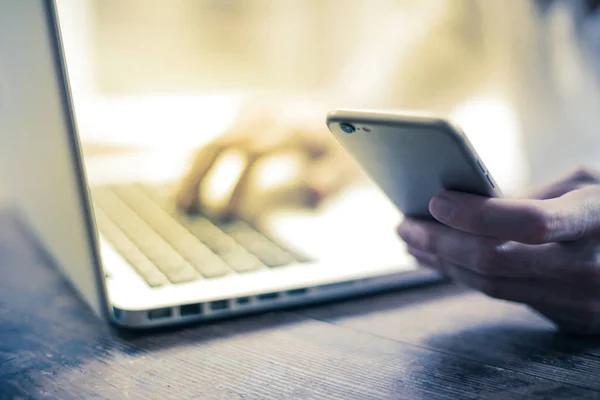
439 342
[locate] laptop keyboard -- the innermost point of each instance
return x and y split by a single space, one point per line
165 246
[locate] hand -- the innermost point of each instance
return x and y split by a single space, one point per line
259 134
543 251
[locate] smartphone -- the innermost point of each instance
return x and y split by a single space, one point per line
412 158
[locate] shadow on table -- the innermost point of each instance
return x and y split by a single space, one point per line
533 350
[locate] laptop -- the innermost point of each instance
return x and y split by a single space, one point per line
124 247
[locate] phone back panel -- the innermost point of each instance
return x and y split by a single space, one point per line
412 158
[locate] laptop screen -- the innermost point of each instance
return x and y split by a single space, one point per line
39 148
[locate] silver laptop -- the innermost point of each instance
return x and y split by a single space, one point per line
124 247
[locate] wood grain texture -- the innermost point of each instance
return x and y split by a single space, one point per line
471 326
437 343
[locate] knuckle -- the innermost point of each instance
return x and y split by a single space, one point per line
539 225
491 258
583 174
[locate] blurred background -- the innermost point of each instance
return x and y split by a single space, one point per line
174 74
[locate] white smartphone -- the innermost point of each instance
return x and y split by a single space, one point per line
412 158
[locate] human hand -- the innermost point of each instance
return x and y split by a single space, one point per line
259 133
543 251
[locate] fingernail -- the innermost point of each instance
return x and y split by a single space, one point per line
442 207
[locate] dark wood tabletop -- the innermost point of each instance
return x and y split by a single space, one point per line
436 342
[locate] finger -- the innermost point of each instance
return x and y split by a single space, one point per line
244 135
424 258
241 188
238 137
572 305
549 295
267 144
477 253
566 218
567 262
187 194
528 291
256 139
576 179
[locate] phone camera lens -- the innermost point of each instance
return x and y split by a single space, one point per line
348 128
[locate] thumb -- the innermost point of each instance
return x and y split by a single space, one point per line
566 218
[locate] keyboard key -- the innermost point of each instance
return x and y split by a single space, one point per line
209 234
214 268
258 244
276 258
169 263
171 246
217 237
187 245
153 246
144 266
207 263
154 279
242 261
136 259
223 245
185 274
